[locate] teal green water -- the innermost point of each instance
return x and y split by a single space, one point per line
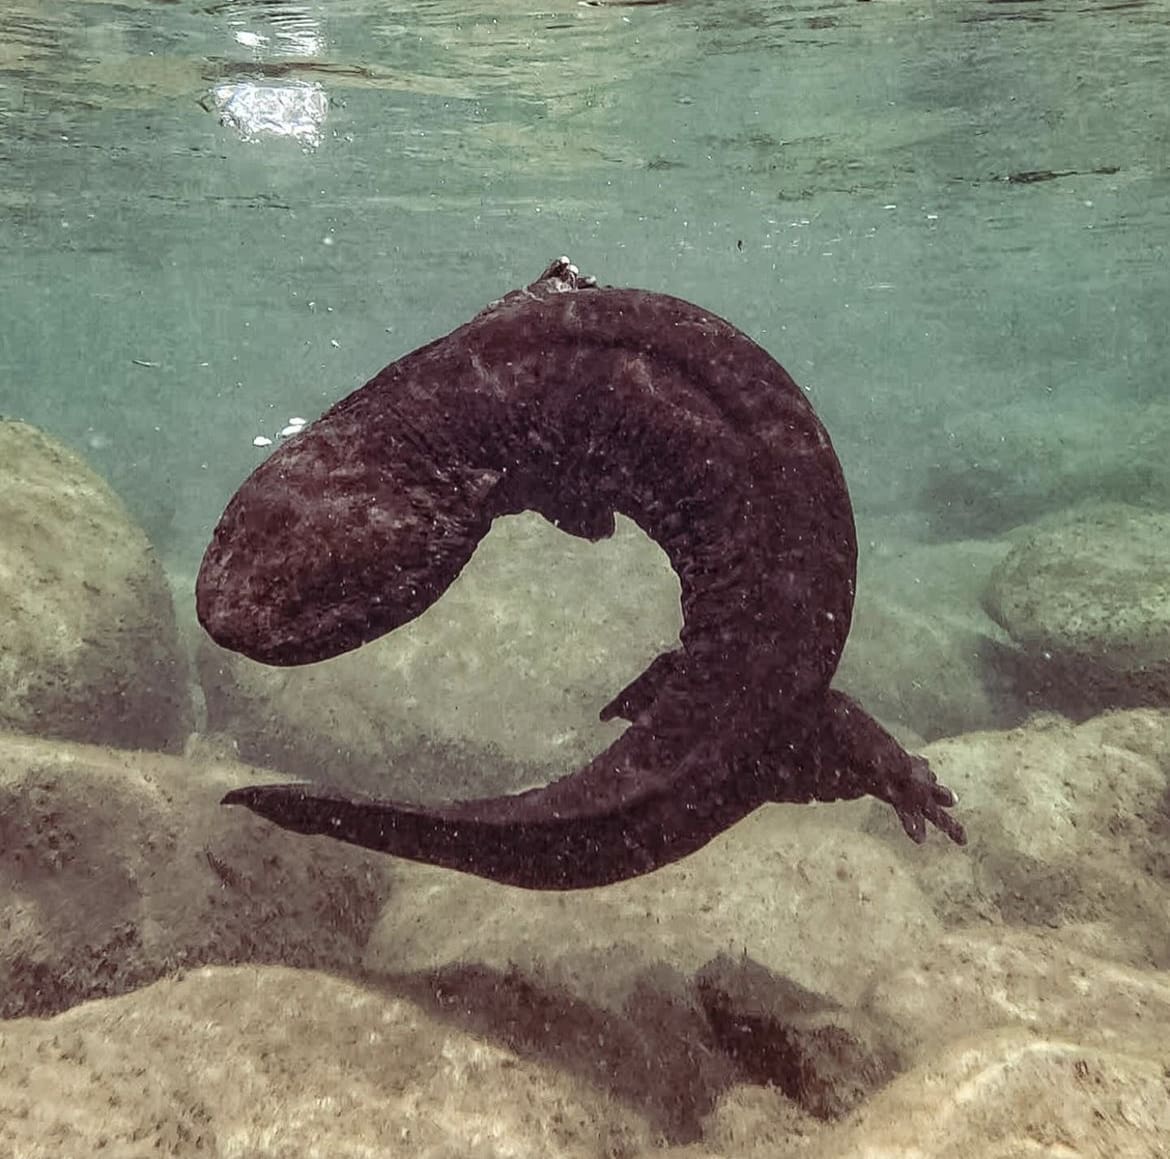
832 177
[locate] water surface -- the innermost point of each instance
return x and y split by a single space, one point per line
867 189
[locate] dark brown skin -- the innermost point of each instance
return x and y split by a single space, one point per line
576 402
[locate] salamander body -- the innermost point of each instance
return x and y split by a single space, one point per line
577 402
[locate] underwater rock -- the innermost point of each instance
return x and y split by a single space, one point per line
1086 598
810 900
656 1052
118 867
538 627
766 888
270 1062
1013 1093
1068 825
978 979
826 1058
1009 1036
918 611
1000 469
414 715
992 475
89 650
754 1122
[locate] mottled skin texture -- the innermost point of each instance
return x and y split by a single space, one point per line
576 402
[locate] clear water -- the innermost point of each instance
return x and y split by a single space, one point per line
948 219
831 177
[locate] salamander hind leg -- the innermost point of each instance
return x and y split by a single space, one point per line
884 769
846 754
919 798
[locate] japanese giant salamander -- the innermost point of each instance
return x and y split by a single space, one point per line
578 401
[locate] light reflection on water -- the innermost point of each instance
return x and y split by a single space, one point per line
254 110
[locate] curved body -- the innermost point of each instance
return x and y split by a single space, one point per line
578 402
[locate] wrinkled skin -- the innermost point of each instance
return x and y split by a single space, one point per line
578 402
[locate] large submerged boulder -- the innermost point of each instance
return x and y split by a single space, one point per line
922 654
89 649
1085 597
117 868
606 981
1000 999
494 688
1002 467
272 1062
1067 827
498 685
